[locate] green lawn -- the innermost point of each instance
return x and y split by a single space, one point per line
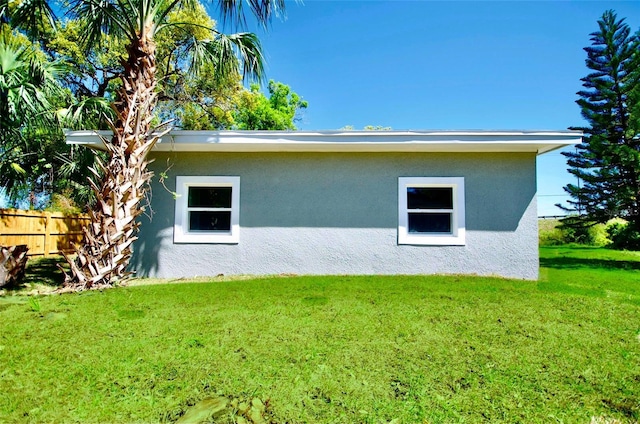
337 349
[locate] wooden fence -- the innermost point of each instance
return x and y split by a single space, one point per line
45 233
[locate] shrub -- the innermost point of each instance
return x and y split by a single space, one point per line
572 231
599 235
63 203
549 234
622 235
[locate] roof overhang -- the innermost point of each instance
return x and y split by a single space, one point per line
538 142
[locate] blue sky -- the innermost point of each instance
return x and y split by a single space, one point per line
441 65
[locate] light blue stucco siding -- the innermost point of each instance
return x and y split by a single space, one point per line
337 213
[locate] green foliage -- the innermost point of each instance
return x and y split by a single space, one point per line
549 234
572 231
34 303
338 348
35 162
577 231
278 112
92 72
194 91
376 128
200 102
600 236
623 235
63 202
608 162
87 78
204 103
367 128
27 87
616 233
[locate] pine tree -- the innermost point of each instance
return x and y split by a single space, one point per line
607 163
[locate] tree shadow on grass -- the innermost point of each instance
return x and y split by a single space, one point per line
628 407
563 262
44 271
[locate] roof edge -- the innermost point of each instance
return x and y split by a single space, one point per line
538 141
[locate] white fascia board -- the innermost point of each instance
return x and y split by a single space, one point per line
350 141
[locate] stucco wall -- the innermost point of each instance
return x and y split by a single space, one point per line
337 213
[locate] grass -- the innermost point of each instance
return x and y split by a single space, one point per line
337 349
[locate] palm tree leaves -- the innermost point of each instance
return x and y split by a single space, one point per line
247 46
228 53
25 84
88 112
35 17
25 88
4 11
144 19
262 10
129 19
103 17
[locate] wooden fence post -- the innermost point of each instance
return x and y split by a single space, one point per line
47 233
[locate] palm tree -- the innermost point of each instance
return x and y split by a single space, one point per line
121 182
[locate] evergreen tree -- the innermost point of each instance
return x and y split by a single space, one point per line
607 163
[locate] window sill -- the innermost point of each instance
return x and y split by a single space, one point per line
431 240
206 238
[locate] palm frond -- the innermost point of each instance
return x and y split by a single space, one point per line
157 12
104 17
32 16
4 11
25 85
122 18
249 50
262 10
11 56
163 13
127 7
228 53
85 114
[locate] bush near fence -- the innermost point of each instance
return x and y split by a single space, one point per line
45 233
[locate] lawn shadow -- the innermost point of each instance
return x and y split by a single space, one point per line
563 262
44 271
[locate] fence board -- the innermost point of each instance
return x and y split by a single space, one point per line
45 233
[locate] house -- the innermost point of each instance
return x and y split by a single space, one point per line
343 202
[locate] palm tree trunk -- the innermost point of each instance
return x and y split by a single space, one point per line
103 258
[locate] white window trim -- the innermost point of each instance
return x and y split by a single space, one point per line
457 236
181 233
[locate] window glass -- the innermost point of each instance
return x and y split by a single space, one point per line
207 209
209 197
431 211
209 221
429 198
430 223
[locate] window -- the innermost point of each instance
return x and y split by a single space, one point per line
431 210
207 210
